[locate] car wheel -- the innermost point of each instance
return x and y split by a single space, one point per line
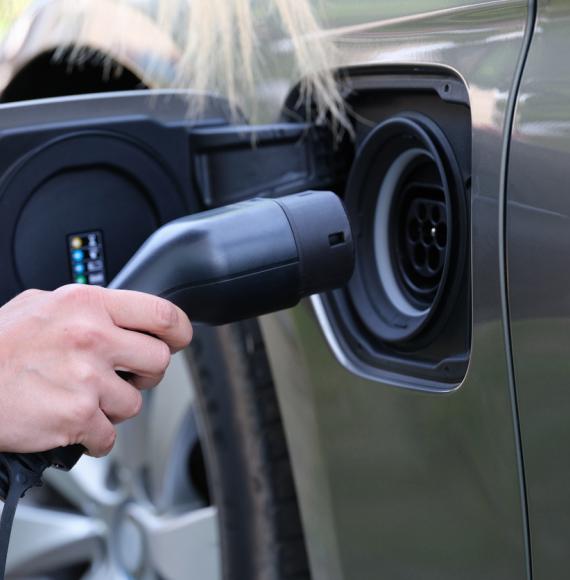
246 453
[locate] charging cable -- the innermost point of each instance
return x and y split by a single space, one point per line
20 472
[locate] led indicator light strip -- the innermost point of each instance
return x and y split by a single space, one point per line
87 258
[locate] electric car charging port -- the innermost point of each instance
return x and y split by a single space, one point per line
406 189
406 311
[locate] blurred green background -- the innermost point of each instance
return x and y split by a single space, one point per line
331 12
8 11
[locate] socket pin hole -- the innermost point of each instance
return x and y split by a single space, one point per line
420 243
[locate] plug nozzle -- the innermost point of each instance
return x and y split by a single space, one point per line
246 259
324 239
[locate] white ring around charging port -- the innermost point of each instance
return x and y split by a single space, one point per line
386 197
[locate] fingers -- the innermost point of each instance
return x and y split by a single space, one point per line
139 354
145 330
100 436
64 348
120 400
145 383
149 314
141 383
91 419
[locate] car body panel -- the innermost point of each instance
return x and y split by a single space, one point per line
393 482
539 279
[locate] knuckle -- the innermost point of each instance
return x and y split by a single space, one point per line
85 336
84 409
85 375
75 294
30 293
165 313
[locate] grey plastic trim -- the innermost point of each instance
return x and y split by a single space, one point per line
360 369
386 196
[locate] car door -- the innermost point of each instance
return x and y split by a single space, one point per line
397 479
538 242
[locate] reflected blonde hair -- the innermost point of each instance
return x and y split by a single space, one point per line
234 47
229 47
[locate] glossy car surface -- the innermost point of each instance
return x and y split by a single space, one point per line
471 481
394 482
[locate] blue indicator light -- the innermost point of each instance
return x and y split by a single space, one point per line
86 256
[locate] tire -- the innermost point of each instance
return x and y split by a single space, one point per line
247 460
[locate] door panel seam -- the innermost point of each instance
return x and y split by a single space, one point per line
503 275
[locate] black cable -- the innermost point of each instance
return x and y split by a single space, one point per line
8 513
19 472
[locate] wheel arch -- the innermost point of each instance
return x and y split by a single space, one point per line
43 39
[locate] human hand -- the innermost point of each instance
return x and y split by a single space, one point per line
59 353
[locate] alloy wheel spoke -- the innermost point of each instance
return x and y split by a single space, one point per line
182 546
86 486
44 539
